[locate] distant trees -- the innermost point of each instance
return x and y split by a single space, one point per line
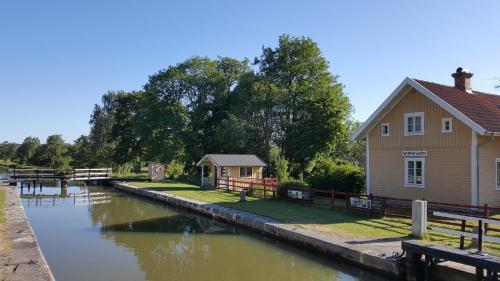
27 149
286 107
8 150
53 153
202 105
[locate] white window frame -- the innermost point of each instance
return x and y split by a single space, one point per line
422 123
422 185
246 172
497 182
382 129
443 125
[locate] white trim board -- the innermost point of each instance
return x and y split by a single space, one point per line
367 164
474 198
378 114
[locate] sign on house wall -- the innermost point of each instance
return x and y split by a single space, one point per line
414 153
156 171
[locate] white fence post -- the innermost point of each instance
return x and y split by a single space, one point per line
418 217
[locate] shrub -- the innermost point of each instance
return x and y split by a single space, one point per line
282 169
341 176
123 169
174 169
189 179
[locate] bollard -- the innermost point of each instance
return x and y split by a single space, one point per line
418 218
243 195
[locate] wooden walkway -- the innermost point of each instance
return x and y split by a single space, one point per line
419 269
39 175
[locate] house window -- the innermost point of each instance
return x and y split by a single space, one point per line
446 125
223 171
414 123
246 172
384 128
414 172
498 173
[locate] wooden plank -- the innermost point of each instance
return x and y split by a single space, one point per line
93 169
460 256
467 218
455 232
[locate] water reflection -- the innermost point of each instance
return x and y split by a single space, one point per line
131 239
4 175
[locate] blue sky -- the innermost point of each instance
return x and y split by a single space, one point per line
58 57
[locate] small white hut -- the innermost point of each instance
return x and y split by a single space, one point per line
218 166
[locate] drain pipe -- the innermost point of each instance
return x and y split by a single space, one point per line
477 163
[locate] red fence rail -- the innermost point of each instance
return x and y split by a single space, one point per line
387 206
371 204
253 186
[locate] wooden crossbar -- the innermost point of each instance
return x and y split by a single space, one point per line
467 218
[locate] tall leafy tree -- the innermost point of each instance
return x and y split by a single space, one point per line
101 124
192 103
82 153
311 106
8 150
53 153
27 149
129 130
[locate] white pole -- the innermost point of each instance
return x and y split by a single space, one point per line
419 218
202 172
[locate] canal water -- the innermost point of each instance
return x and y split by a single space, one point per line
4 174
98 234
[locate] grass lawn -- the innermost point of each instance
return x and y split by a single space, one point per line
141 175
345 224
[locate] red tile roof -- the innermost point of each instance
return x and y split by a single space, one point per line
482 108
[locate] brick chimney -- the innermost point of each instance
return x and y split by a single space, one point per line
462 79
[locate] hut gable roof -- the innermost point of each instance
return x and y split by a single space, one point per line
232 160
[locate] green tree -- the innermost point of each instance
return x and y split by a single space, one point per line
27 150
82 153
130 128
254 105
311 107
53 153
8 150
101 124
190 104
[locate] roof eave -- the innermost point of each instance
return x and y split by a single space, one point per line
361 133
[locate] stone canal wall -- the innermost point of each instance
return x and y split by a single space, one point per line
21 257
326 244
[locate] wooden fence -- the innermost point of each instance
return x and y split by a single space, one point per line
263 188
387 206
54 174
371 204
